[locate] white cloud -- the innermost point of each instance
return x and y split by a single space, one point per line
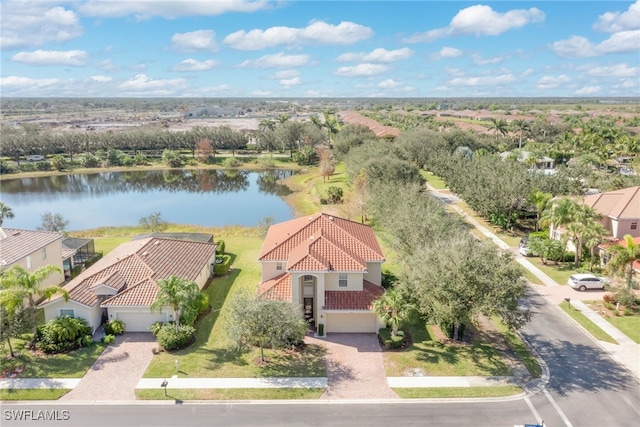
527 72
361 70
481 20
194 41
290 82
14 82
588 90
377 55
478 60
100 79
499 80
106 65
612 22
388 84
552 82
76 58
279 60
36 23
261 93
195 65
145 9
613 71
286 74
317 32
580 47
143 84
446 52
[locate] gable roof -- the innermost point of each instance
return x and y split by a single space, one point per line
619 204
353 300
277 289
321 242
134 268
16 244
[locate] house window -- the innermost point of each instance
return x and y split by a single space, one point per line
67 312
44 253
28 262
342 280
278 266
634 225
307 278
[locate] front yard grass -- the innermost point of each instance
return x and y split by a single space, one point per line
559 273
212 355
628 325
438 359
584 321
33 394
456 392
230 394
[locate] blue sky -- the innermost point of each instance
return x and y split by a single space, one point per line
150 48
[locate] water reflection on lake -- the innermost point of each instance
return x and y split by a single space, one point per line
199 197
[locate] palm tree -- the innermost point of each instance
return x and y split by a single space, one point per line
540 199
558 212
583 217
521 126
498 126
180 294
5 212
267 124
393 308
18 285
283 118
593 234
625 255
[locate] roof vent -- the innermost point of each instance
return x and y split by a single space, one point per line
330 218
157 242
311 237
145 253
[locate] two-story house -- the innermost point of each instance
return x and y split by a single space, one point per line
330 266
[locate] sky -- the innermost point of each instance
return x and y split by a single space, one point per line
241 48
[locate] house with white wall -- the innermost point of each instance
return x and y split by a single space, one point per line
329 266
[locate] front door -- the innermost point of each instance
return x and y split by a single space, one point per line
307 309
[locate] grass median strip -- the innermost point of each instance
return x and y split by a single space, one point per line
591 327
456 392
520 348
33 394
230 394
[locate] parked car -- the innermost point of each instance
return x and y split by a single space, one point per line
584 281
35 158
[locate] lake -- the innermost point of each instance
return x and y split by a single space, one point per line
204 197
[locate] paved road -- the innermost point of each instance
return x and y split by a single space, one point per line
587 387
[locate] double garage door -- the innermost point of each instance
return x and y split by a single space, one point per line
352 322
139 322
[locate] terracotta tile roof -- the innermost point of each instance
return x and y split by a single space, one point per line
381 131
321 242
623 203
16 244
353 300
278 288
139 295
132 266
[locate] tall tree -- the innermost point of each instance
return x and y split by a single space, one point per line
521 126
540 200
498 127
183 296
593 234
5 212
18 285
53 222
13 325
393 308
624 255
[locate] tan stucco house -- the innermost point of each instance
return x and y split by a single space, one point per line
32 250
123 284
330 266
620 210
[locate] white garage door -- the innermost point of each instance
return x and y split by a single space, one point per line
351 322
139 322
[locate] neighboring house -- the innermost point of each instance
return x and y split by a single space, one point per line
32 250
620 210
123 284
331 267
605 256
526 157
75 251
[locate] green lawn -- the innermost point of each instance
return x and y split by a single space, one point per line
519 347
231 394
435 181
628 325
559 273
456 392
213 355
438 359
591 327
33 394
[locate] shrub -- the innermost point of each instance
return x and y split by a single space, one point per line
266 162
5 167
62 335
172 158
127 161
204 304
625 297
170 339
542 234
231 162
221 247
28 167
115 327
222 268
108 339
140 159
388 341
43 166
90 161
609 298
155 327
59 163
335 194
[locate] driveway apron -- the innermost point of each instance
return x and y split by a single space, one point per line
355 369
116 372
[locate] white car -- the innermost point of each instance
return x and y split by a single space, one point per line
584 281
35 158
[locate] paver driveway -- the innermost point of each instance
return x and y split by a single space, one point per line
355 369
115 374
